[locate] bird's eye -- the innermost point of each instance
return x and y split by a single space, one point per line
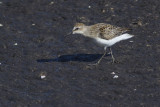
76 28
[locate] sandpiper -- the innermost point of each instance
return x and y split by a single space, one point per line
104 34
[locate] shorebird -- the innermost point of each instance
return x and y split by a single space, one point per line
104 34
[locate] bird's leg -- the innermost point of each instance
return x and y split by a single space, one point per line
102 56
113 59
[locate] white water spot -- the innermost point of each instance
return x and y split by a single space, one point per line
33 24
135 89
116 76
89 7
15 44
1 25
0 63
112 73
1 2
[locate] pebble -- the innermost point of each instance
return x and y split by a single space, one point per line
116 76
1 25
0 2
89 6
51 3
130 41
33 24
15 44
103 11
112 9
113 73
43 76
0 63
148 45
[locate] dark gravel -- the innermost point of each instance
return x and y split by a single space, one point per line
39 26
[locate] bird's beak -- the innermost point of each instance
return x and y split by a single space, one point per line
68 34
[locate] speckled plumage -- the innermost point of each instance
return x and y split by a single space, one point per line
102 30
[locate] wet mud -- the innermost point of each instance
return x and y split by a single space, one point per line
40 67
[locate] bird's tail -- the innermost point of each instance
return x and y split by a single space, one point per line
120 38
125 36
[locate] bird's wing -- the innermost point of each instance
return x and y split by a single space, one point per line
108 31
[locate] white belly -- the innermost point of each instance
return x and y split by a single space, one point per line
112 41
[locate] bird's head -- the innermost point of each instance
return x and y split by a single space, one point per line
79 28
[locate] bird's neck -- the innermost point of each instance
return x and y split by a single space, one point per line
86 31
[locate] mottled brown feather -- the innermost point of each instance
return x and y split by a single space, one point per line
107 31
79 24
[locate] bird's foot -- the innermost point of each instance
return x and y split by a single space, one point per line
91 66
95 64
115 62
